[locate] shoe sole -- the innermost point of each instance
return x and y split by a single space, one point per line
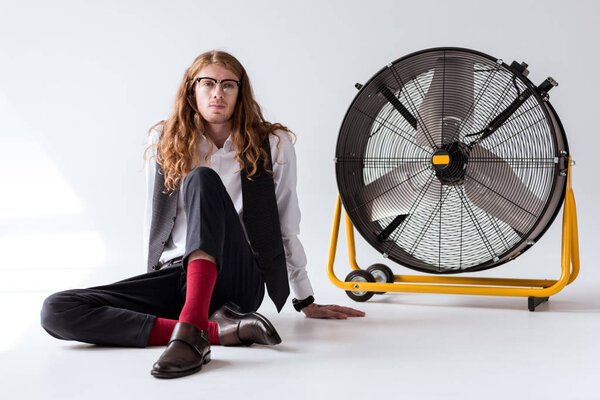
179 374
236 309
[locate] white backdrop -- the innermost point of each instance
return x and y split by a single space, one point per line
81 83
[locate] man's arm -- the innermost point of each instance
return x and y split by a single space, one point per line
285 178
150 171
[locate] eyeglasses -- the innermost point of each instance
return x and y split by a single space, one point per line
207 85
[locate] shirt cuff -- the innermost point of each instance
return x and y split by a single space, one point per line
302 288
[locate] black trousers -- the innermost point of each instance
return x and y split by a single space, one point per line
123 313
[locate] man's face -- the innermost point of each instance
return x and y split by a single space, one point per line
215 104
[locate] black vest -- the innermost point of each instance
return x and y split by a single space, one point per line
261 220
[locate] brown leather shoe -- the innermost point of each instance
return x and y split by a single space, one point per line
237 328
187 352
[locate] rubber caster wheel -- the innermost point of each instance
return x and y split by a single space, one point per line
359 275
382 274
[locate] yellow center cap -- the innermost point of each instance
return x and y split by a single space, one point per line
442 159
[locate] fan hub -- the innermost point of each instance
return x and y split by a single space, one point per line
450 162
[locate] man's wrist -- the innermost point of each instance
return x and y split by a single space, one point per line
300 304
310 308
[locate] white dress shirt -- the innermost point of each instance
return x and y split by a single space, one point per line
224 163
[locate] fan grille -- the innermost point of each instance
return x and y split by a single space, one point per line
495 197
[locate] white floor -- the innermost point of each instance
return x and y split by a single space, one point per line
409 346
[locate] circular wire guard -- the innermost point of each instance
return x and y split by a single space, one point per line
448 161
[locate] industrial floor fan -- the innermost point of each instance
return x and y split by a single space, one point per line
450 161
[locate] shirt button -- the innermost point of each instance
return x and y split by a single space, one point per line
174 218
154 267
163 242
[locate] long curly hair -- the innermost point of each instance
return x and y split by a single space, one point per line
177 146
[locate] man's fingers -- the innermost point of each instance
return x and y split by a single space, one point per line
354 313
337 315
326 312
334 311
348 311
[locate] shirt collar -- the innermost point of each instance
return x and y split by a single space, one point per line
227 146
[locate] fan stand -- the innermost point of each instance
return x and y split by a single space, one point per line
537 290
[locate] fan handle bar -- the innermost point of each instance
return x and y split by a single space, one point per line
537 288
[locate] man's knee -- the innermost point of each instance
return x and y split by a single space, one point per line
203 174
55 317
204 178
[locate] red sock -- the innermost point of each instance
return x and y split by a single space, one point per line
163 329
201 277
213 332
161 332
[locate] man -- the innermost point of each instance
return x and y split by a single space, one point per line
222 221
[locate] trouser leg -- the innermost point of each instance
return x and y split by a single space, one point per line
119 314
123 313
214 227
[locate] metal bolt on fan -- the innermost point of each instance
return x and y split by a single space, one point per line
451 161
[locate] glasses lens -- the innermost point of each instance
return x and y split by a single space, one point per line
229 86
208 84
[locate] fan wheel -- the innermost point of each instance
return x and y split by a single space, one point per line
382 274
360 275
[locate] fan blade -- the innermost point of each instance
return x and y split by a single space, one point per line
391 227
391 97
396 192
494 187
448 104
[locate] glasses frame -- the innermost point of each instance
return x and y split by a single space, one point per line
218 82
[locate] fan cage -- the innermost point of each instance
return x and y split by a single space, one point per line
445 230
